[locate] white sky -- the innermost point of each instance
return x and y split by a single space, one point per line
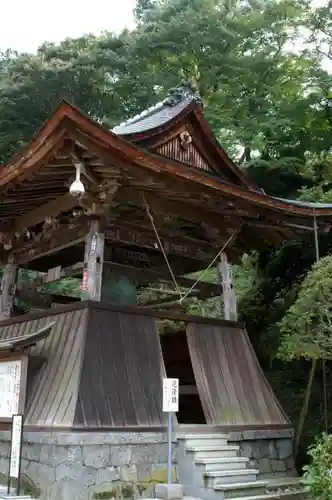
37 22
26 24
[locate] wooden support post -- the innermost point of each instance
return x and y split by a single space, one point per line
7 291
93 263
228 291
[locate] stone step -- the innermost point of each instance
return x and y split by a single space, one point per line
204 439
214 435
283 483
211 464
214 451
240 490
298 495
12 496
272 496
220 477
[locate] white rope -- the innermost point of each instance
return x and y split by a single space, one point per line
185 295
162 248
235 232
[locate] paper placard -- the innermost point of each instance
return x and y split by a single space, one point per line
15 449
170 394
10 387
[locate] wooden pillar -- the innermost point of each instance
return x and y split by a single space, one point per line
7 290
228 291
93 263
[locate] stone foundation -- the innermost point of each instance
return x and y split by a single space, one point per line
123 465
269 451
86 466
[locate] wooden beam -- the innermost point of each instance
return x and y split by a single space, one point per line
144 276
51 209
61 238
176 235
180 209
93 263
7 290
65 272
117 233
228 291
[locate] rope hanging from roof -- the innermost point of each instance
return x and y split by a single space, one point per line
147 208
182 295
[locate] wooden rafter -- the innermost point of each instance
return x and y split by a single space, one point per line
53 208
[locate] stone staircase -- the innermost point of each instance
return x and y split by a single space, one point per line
211 469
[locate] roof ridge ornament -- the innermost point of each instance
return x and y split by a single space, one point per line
187 89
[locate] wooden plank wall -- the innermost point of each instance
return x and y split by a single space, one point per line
230 381
191 156
52 390
121 382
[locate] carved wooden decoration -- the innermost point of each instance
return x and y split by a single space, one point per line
93 263
228 291
185 139
7 291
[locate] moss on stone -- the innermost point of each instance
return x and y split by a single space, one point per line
159 475
104 495
27 485
133 490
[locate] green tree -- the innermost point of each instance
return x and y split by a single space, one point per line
306 328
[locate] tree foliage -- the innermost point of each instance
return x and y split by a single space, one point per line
306 328
318 475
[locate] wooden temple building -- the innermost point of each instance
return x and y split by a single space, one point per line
140 207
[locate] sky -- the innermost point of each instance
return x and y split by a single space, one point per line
39 21
69 19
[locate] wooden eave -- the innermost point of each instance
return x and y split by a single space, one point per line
167 186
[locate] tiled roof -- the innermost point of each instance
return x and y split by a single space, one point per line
305 204
152 118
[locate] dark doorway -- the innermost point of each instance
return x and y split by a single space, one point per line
178 365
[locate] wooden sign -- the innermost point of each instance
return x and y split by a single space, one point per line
13 373
16 446
170 394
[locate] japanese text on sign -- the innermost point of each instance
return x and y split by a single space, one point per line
15 450
170 394
10 381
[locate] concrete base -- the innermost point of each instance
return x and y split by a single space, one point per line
169 491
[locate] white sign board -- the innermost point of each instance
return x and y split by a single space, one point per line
10 387
15 450
171 394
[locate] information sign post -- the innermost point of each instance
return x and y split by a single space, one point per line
15 453
170 405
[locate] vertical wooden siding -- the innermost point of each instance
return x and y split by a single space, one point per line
230 381
53 390
190 156
122 372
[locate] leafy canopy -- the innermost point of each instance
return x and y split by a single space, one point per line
306 328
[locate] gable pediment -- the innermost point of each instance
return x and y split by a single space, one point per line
182 148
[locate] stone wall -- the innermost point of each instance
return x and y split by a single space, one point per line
269 451
86 466
95 465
